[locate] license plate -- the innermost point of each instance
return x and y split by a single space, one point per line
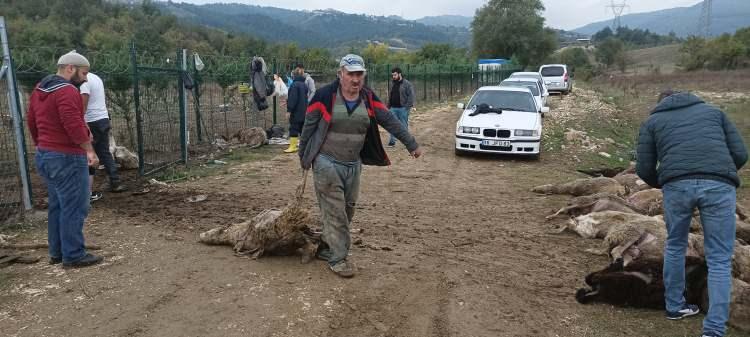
500 143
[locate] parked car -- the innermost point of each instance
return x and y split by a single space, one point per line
557 78
530 83
535 75
500 119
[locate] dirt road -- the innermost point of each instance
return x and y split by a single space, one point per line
450 246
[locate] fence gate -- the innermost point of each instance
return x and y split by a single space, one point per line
15 190
160 103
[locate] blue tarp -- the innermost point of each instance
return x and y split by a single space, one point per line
493 61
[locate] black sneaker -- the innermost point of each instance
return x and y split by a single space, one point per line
687 311
55 260
87 260
95 196
117 188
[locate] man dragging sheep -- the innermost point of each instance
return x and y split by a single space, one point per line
340 134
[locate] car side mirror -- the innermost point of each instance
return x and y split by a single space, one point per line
461 106
545 109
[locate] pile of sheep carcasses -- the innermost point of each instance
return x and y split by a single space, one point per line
627 215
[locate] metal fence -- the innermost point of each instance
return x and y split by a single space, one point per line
154 114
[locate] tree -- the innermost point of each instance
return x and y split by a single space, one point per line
611 52
512 29
375 53
693 54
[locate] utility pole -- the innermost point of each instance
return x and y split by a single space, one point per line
706 17
617 7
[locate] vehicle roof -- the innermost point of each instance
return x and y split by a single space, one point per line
505 88
518 73
553 65
522 79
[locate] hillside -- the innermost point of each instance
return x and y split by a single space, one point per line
447 20
728 16
320 28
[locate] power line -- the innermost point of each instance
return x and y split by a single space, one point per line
706 18
617 7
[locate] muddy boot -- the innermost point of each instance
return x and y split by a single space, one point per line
343 268
293 141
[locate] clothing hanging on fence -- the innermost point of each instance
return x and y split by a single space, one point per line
258 79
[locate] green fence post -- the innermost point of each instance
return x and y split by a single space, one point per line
440 93
197 102
424 80
182 67
275 96
450 78
137 103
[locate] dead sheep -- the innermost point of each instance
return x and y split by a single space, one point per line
272 232
581 187
627 236
631 182
739 307
650 200
741 262
252 137
743 231
601 202
641 284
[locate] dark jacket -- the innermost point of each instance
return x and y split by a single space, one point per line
296 103
55 116
318 121
685 138
406 90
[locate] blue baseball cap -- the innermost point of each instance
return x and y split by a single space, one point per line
353 63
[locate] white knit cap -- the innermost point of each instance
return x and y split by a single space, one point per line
74 59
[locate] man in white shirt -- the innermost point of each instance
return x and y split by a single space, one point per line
97 118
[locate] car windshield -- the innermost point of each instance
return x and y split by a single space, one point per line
553 71
523 84
505 100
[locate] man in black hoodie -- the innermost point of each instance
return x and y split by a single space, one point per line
693 151
296 105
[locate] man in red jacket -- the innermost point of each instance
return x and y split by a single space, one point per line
63 155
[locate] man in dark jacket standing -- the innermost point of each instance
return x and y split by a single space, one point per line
63 155
401 100
340 134
296 105
693 151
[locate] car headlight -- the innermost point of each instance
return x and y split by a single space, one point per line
468 129
527 133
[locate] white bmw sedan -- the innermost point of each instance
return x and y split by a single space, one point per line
500 120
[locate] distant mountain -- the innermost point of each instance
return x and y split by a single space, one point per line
447 20
320 28
728 16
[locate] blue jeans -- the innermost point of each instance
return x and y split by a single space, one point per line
337 188
67 179
716 202
403 115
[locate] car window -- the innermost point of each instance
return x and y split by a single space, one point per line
553 71
511 100
531 85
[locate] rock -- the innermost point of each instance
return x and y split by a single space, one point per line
605 155
574 135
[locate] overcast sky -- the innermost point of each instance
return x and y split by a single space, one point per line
565 14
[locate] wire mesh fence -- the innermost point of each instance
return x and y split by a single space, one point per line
11 189
221 102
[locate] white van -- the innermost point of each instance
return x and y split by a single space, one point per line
557 78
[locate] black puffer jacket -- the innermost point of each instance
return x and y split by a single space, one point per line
685 138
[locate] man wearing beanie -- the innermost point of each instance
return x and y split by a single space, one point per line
63 155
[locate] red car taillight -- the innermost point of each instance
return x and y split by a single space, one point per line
565 77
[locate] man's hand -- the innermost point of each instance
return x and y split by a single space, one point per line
92 159
416 153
